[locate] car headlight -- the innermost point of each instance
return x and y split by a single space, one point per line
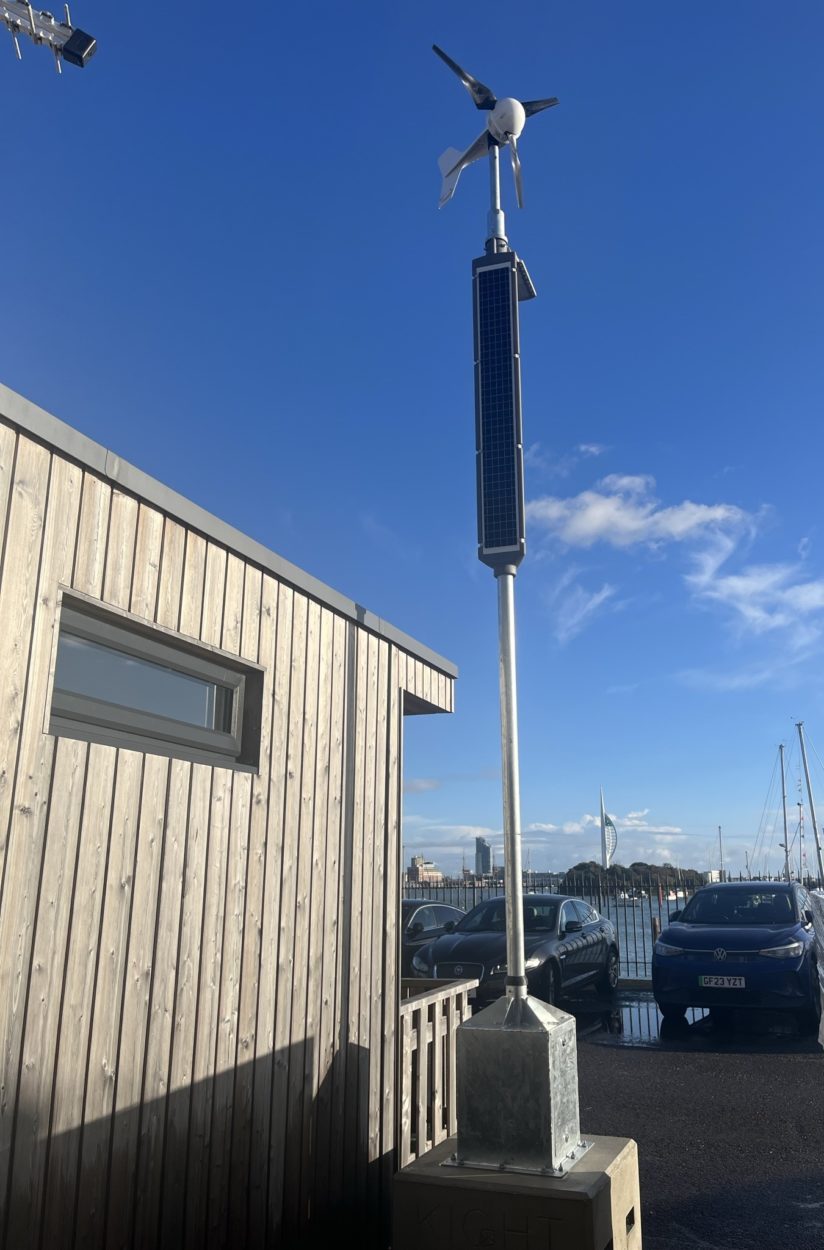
664 948
420 965
534 961
791 951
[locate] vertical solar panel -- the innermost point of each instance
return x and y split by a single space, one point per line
498 438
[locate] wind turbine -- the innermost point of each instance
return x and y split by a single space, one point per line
504 125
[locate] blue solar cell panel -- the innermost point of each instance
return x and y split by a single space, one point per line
500 474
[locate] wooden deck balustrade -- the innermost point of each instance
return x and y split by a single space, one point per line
429 1017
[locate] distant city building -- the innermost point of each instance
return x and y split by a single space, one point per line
712 876
483 858
423 872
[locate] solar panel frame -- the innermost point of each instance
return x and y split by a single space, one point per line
499 457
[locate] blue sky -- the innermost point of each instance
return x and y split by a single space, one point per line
223 258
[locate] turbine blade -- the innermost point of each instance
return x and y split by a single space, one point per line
516 171
452 162
537 106
481 95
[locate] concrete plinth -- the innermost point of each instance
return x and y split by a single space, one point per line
596 1206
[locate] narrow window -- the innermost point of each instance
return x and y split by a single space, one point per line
119 681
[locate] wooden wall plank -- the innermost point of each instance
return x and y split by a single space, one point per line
136 1002
43 1013
39 552
208 998
171 574
288 895
392 917
84 997
380 923
367 834
148 1177
18 595
226 1048
329 1021
117 577
148 545
353 905
299 1038
259 1213
214 586
185 1010
257 643
233 604
315 951
194 576
92 535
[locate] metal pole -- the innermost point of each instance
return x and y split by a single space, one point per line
720 856
516 972
495 222
800 728
784 802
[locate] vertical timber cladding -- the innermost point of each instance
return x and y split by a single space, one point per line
498 432
197 963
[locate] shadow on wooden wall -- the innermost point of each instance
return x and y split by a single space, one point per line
244 1160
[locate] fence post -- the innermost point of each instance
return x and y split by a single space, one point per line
656 929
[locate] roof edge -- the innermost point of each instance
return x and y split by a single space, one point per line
26 416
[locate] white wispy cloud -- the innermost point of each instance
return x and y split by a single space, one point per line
421 785
542 460
622 512
575 607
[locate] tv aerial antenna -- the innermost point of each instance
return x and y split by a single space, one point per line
67 42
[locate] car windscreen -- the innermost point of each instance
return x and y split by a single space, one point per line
490 917
739 907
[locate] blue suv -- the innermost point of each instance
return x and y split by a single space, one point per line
739 944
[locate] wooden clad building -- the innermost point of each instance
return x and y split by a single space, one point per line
200 781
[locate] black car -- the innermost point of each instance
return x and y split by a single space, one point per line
423 920
566 944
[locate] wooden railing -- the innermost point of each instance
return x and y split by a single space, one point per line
430 1014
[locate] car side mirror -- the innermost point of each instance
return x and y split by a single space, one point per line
675 915
449 926
808 916
573 926
415 928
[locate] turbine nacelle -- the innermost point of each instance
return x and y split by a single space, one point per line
507 118
506 121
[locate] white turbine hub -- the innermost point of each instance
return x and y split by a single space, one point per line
506 120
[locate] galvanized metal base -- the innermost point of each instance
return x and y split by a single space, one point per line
574 1157
517 1090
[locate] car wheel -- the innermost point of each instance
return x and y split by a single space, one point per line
672 1011
608 980
549 985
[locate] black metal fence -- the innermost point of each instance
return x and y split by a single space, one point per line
639 907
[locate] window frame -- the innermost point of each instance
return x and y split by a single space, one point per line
92 719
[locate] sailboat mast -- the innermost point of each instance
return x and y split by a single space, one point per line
800 728
784 801
720 856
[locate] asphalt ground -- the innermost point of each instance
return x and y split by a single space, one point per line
728 1115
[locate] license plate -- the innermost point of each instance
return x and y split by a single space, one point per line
722 983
